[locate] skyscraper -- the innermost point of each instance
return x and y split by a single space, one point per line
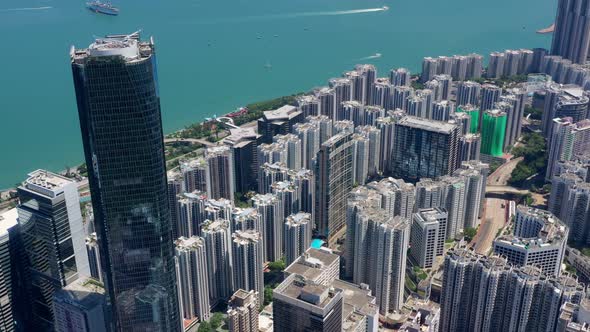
481 293
194 176
334 182
566 142
243 143
220 172
219 259
119 108
399 77
192 281
539 239
53 239
297 235
468 93
490 95
424 148
271 211
9 314
571 38
493 133
428 236
243 311
301 305
379 257
473 113
279 121
247 251
79 307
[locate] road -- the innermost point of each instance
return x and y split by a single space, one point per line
501 176
189 140
494 216
506 190
494 219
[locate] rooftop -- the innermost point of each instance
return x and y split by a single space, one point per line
246 237
85 293
241 136
426 124
298 219
188 244
298 288
282 113
8 219
47 183
312 263
127 46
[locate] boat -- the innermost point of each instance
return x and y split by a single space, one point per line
102 8
238 112
385 8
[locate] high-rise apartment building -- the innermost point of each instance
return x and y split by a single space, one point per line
297 235
247 260
219 259
493 133
571 38
220 172
379 257
242 311
270 209
194 175
427 236
539 239
192 278
481 293
468 93
490 95
567 141
400 77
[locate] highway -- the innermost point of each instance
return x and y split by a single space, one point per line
494 216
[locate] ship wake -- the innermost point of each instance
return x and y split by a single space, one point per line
25 9
288 16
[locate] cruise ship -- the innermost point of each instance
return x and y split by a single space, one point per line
102 8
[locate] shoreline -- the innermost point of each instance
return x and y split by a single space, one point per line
254 109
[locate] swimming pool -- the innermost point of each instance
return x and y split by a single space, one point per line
317 243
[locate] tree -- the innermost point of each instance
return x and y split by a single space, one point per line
216 320
278 266
469 233
267 294
205 327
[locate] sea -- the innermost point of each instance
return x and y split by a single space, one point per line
217 55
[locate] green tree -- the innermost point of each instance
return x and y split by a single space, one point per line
469 233
216 320
205 327
267 294
278 266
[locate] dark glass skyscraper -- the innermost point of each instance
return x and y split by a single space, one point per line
119 109
424 149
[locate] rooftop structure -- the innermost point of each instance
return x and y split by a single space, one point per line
318 265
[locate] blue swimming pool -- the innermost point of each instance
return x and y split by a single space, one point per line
317 243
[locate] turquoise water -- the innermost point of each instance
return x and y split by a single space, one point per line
317 243
211 60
